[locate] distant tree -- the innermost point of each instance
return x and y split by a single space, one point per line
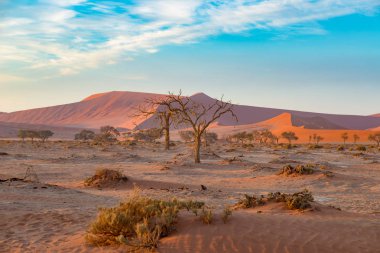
375 138
310 138
107 134
160 109
186 136
198 116
356 138
31 134
319 139
85 135
44 135
22 134
290 136
344 136
266 136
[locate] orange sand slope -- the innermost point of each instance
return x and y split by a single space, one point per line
283 123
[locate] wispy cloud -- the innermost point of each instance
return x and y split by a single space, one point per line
68 36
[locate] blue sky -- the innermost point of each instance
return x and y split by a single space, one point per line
308 55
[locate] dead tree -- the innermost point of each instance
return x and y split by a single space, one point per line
197 116
158 108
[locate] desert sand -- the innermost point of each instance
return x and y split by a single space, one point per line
52 214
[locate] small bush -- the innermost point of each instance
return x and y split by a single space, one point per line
227 212
105 176
298 170
361 148
340 148
297 201
206 216
249 202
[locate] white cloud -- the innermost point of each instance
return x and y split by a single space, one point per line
55 35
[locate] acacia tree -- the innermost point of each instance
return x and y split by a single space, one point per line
22 134
44 135
356 138
290 136
198 116
375 138
160 109
344 136
85 135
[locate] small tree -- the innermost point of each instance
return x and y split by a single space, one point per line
31 134
198 116
44 135
107 134
375 138
160 109
85 135
318 139
290 136
22 134
356 138
344 136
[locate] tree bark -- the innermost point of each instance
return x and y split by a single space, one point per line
197 148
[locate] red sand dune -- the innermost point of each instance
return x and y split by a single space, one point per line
116 108
283 123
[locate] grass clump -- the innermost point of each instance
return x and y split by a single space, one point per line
206 216
227 212
104 177
298 170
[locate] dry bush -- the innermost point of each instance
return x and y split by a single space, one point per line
206 216
298 170
361 148
227 212
296 201
140 222
340 148
104 177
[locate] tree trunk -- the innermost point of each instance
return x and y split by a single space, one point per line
167 133
197 148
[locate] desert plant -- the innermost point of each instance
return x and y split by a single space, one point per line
198 116
249 202
356 138
299 200
290 136
375 138
340 148
344 136
361 148
22 134
227 212
186 136
206 216
85 135
298 170
105 176
44 135
148 135
209 137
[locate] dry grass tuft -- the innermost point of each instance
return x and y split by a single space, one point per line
298 170
206 216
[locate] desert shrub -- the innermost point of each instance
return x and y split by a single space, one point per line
361 148
249 202
340 148
315 146
85 135
148 135
43 135
209 138
227 212
298 170
104 177
140 222
296 201
186 136
206 216
299 200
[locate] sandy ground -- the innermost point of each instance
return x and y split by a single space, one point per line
52 215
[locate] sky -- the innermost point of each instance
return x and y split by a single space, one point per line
310 55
